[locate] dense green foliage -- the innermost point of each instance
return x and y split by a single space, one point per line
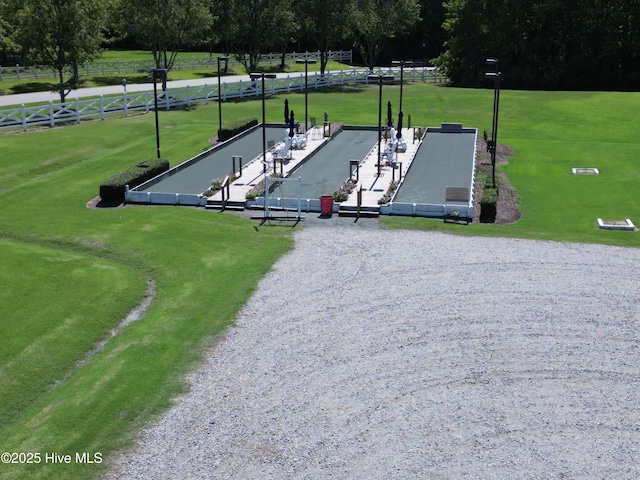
166 27
60 33
113 188
236 127
545 43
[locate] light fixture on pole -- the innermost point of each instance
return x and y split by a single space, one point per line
402 63
306 62
380 78
256 76
158 73
225 59
496 76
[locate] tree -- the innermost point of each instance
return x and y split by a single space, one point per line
550 44
326 22
8 32
62 34
377 21
167 26
257 26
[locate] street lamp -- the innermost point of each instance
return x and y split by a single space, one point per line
496 76
306 62
255 76
402 63
158 73
225 59
380 78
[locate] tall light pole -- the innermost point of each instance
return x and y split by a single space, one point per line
306 62
402 63
255 76
225 59
496 76
380 78
158 73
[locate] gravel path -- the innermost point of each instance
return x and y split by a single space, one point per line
374 354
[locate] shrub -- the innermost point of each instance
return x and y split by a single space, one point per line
334 129
216 184
488 205
235 128
390 191
258 190
113 188
344 191
488 182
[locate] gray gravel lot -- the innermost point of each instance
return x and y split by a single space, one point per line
375 354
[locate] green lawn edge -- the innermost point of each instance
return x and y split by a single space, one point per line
218 259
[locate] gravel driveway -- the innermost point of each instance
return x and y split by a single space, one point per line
375 354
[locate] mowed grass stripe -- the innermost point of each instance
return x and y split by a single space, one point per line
59 305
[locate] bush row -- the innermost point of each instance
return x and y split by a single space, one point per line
235 128
113 188
489 202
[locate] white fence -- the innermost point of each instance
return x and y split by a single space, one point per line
52 114
119 67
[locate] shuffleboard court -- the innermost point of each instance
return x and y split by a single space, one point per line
328 169
445 159
198 175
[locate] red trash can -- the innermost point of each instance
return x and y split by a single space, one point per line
326 205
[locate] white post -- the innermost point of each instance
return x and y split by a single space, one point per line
266 196
77 105
52 122
299 197
24 117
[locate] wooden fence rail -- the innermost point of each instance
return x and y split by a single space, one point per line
120 67
74 111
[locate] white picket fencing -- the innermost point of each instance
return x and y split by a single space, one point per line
74 111
119 67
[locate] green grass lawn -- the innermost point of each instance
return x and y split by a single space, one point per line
70 273
50 82
551 132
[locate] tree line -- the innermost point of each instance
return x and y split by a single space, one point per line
544 44
67 33
540 44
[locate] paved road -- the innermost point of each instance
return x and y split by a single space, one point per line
36 97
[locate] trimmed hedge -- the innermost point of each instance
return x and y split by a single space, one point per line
235 128
488 205
113 188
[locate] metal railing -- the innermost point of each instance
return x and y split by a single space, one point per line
74 111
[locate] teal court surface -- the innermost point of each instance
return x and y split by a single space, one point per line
433 172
